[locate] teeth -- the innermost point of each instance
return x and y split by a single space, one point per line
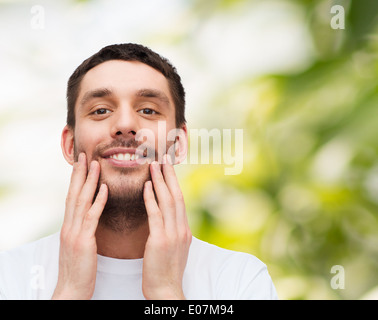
125 156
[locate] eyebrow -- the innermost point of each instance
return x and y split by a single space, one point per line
153 93
97 93
142 93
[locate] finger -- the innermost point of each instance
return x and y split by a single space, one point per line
155 219
78 177
165 200
85 199
93 215
171 181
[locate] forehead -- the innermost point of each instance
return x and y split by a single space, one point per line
124 77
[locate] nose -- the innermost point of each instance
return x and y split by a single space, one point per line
125 123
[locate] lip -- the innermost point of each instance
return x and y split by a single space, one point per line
123 163
110 152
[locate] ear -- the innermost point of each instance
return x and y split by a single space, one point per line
181 144
67 144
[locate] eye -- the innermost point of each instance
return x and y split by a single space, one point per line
101 111
147 111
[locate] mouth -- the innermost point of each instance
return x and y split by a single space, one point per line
125 157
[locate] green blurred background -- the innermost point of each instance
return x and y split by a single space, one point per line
306 199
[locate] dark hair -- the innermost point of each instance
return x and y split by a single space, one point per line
127 52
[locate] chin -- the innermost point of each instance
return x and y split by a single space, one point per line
125 208
124 182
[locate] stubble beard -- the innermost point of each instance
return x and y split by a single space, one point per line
125 209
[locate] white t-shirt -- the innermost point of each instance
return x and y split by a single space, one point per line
31 272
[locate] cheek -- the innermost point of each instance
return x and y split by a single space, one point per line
164 136
78 148
85 143
161 146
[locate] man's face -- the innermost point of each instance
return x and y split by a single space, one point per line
118 99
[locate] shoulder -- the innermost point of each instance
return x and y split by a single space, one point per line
18 265
236 275
218 255
31 251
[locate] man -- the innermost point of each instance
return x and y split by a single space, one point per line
125 233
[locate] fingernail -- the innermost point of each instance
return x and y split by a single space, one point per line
169 159
155 164
103 188
81 157
92 166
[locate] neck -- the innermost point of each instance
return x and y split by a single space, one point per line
126 244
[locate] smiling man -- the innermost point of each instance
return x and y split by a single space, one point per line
125 233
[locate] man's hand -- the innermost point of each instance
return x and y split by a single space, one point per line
167 246
78 249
